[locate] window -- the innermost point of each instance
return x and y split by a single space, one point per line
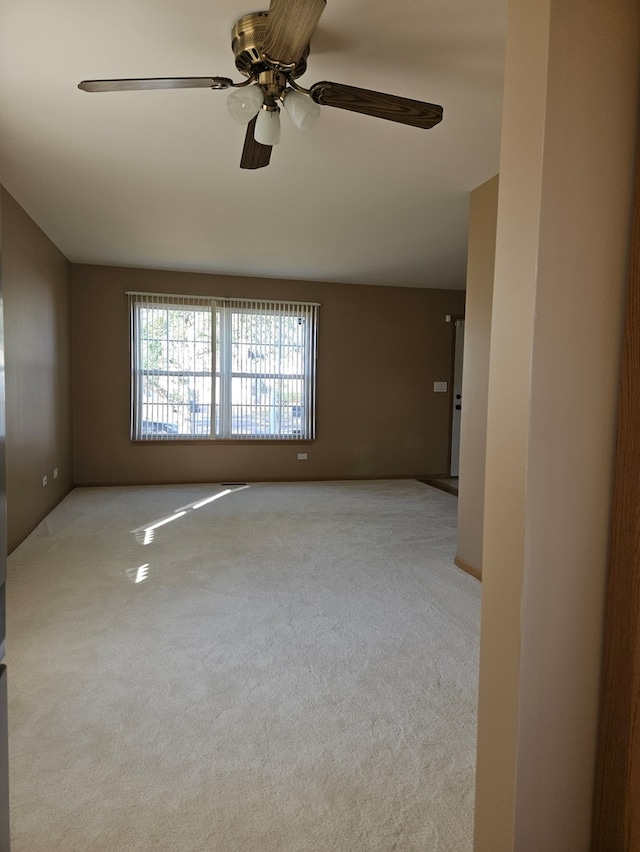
209 368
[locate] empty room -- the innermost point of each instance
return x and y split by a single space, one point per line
318 463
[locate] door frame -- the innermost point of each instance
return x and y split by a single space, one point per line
454 318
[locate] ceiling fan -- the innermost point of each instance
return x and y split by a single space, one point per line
271 50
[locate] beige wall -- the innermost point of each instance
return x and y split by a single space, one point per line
38 373
380 349
483 212
566 178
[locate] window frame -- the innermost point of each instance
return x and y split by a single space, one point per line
225 380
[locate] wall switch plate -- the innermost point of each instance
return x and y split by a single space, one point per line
44 480
55 473
440 387
302 456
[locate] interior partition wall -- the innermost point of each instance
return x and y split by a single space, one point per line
4 735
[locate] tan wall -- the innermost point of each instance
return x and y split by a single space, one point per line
566 179
483 212
380 349
38 373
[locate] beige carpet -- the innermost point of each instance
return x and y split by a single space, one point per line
288 667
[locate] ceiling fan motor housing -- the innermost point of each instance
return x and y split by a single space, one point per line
247 38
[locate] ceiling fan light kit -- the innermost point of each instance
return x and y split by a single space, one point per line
271 50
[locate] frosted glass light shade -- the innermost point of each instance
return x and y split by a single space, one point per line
243 104
303 111
267 129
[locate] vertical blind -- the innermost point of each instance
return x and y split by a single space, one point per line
217 368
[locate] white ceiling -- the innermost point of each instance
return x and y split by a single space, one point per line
152 178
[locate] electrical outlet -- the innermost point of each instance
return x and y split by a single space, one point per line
302 456
44 480
55 473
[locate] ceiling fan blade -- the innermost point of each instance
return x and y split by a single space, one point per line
290 25
254 154
389 107
155 83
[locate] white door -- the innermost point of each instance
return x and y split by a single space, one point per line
456 398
